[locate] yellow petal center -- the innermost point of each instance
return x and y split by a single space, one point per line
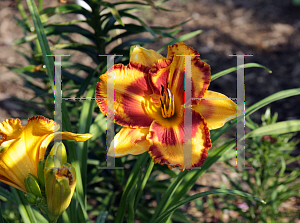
167 102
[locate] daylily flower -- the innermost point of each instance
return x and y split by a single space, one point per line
149 104
21 147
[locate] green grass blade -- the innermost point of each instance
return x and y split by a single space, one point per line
276 129
229 70
217 191
24 207
42 41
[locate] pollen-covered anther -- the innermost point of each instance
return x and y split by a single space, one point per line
167 102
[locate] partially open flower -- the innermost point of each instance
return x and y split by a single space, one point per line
22 146
60 183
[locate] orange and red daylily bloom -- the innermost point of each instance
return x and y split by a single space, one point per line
149 104
21 147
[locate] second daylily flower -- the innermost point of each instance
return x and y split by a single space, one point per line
149 104
22 146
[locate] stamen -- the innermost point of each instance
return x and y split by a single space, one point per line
169 93
162 90
162 105
173 105
167 102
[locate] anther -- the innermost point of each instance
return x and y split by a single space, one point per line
167 102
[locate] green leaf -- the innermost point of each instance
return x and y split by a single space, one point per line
229 70
143 184
274 97
64 9
84 127
168 194
133 178
191 198
24 208
88 49
180 39
2 220
101 217
73 209
39 217
276 129
113 11
191 177
148 28
8 195
42 41
52 30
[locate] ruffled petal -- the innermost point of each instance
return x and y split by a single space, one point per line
168 143
34 133
10 129
172 70
132 91
130 141
216 109
144 56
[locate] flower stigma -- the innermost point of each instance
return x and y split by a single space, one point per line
167 102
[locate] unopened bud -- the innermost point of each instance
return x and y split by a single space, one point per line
32 185
31 198
40 173
59 150
60 185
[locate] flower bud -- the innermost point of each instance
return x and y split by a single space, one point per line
59 150
40 173
52 162
60 185
31 198
32 185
